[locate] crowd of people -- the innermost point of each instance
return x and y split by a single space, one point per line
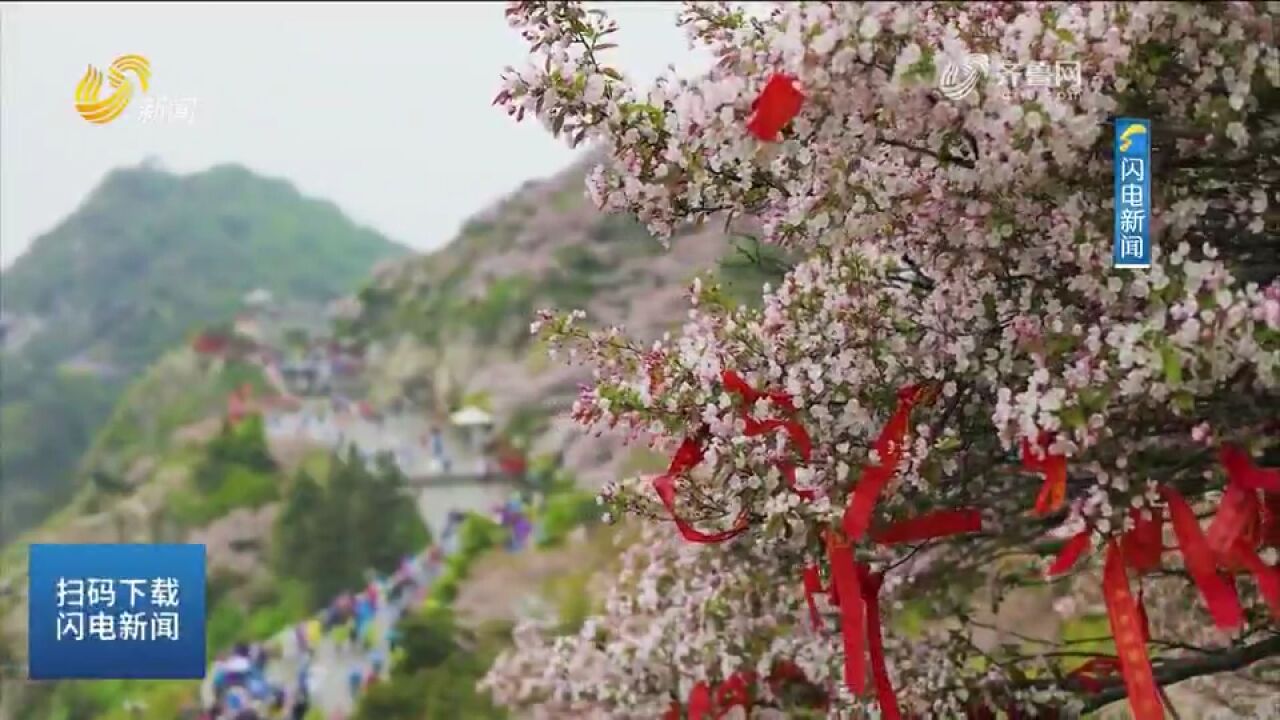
277 680
243 686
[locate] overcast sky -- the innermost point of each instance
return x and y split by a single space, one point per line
381 108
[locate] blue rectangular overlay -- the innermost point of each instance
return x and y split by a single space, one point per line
116 611
1132 154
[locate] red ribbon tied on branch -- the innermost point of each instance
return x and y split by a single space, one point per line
889 446
1219 594
687 457
1053 493
1236 531
735 691
1142 545
777 105
855 590
1127 628
796 434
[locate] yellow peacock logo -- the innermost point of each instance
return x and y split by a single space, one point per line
105 110
1126 137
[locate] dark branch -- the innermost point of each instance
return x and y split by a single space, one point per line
1179 670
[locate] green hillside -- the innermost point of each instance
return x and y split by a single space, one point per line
147 257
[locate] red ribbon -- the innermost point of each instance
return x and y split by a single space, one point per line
889 446
1053 493
1123 612
1267 577
686 458
1241 470
1219 595
813 586
1089 675
1238 528
777 104
1238 508
870 583
941 523
733 692
1070 553
1144 543
855 589
798 436
734 383
844 582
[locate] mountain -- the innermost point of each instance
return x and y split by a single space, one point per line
437 330
455 323
148 256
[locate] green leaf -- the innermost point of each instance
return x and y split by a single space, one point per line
1184 402
1172 365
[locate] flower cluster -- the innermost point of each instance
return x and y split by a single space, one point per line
959 245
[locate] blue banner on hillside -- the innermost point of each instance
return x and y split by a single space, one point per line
1133 194
116 611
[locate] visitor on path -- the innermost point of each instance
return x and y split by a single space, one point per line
352 636
314 633
437 443
235 670
301 706
258 657
300 638
354 680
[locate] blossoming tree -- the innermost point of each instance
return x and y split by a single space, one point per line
952 395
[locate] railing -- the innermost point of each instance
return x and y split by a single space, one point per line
492 477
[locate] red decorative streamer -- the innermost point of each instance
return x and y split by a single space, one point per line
1090 674
844 581
1267 577
777 105
1237 509
854 580
1219 595
699 701
1070 553
1241 470
1144 543
1123 612
796 434
941 523
686 458
735 691
889 446
870 583
1053 493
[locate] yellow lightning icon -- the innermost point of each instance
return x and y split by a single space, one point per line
1126 137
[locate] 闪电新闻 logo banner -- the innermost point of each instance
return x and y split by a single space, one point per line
1132 194
116 611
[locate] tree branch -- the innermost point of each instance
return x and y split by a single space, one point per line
1179 670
